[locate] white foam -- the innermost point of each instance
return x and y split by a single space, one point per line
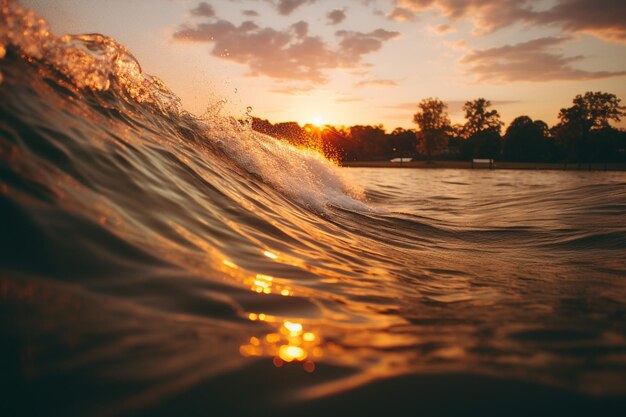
303 175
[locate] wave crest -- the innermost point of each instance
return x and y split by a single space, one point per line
97 63
91 61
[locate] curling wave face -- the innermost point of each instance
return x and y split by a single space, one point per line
148 255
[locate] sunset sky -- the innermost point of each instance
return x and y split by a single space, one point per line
365 61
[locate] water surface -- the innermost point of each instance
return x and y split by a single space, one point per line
158 263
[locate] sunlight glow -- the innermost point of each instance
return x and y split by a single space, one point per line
289 343
289 353
230 264
294 328
264 284
317 121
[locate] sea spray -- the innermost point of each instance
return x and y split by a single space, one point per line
97 63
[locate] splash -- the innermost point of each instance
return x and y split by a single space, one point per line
97 63
303 175
91 62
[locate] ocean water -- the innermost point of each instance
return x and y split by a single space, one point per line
154 262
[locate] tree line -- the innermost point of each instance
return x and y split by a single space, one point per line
583 134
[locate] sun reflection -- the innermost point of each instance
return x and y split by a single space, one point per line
229 264
259 283
264 284
290 343
254 317
294 328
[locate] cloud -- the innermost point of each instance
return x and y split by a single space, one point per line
401 14
356 44
286 7
529 61
293 90
376 83
605 19
203 9
291 54
336 16
460 44
441 29
488 15
300 29
250 13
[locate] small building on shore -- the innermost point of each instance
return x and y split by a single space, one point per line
483 163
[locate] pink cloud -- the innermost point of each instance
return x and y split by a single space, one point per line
401 14
203 9
605 19
376 83
356 44
286 7
291 53
336 16
535 61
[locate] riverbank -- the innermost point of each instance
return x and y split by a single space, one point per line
497 165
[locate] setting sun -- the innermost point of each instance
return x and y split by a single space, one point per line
317 121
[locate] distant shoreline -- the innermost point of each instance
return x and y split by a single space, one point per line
498 165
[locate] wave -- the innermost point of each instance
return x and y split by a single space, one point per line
151 256
96 63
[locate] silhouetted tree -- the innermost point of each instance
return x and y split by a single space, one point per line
479 118
527 140
483 144
589 113
482 130
607 145
583 133
434 123
403 142
371 142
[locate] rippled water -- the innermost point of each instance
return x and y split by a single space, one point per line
157 263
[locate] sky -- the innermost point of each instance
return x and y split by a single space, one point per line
347 62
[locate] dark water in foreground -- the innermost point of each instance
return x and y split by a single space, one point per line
154 263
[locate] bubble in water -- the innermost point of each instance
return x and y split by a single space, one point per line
246 120
214 109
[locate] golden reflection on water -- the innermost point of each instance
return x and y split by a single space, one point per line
264 284
259 283
290 343
230 264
